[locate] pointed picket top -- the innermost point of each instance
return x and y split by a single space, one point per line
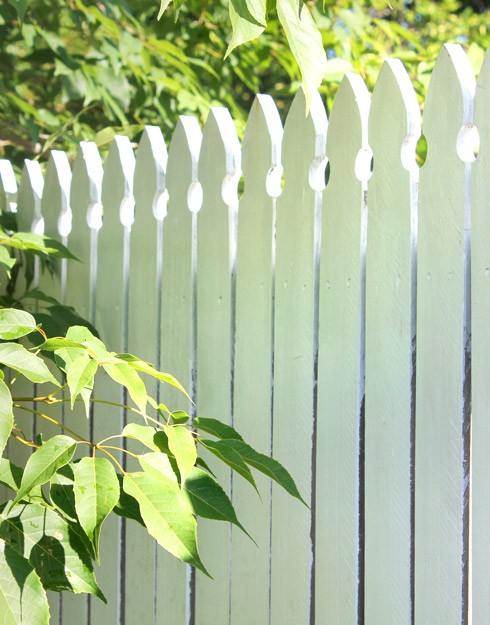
263 135
394 129
29 216
117 183
315 122
350 113
151 160
480 357
55 202
8 187
452 81
262 172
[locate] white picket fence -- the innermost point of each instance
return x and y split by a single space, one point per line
330 324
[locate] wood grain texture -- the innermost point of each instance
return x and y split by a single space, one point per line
394 127
298 209
441 344
340 384
253 356
219 166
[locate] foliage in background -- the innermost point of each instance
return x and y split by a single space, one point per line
78 70
50 526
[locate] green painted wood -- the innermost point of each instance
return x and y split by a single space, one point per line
253 355
394 128
340 385
480 357
143 340
298 209
85 193
440 346
219 171
110 320
177 328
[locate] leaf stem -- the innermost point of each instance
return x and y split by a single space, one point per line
112 457
118 449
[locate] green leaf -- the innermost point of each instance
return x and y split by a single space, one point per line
146 367
144 434
23 599
6 260
44 462
96 494
61 492
6 415
11 476
216 428
179 417
158 464
124 374
20 6
51 345
305 42
163 5
208 500
15 323
247 21
230 457
39 244
17 357
80 374
166 516
183 446
57 548
267 465
127 506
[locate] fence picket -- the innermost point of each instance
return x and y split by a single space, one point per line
173 600
480 357
390 335
253 354
111 322
219 171
340 388
143 338
441 405
297 233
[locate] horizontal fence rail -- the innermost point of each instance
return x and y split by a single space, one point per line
336 313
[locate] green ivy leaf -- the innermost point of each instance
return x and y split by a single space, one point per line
6 415
96 494
305 42
230 457
15 323
183 446
57 548
23 599
44 462
166 516
17 357
216 428
267 465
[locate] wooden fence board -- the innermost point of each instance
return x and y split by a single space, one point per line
441 345
173 598
480 357
340 384
111 322
143 341
297 223
219 170
390 330
252 414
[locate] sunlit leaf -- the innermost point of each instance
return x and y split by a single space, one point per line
230 457
183 446
216 428
44 462
6 415
15 323
17 357
80 374
123 374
